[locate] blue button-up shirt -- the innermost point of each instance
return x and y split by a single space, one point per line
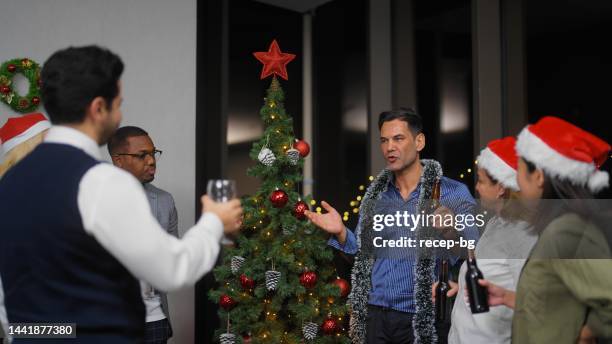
393 280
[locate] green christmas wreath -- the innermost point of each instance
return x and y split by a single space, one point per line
31 71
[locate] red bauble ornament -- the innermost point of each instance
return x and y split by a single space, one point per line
308 279
344 286
329 326
299 209
5 89
247 283
274 61
226 302
279 198
35 100
24 103
246 339
11 68
302 147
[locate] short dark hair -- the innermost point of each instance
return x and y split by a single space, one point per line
408 115
119 138
73 77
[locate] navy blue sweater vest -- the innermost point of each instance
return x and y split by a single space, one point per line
51 268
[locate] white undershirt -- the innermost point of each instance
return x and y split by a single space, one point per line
115 211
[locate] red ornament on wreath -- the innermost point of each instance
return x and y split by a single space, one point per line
299 209
246 283
24 103
11 68
226 302
308 279
330 326
5 89
344 286
303 147
35 100
279 198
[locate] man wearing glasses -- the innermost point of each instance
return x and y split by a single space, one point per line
132 149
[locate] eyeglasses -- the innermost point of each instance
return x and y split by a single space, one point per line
156 154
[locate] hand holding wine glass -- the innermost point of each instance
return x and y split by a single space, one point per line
220 200
230 213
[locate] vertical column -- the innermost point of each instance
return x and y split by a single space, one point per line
487 77
404 57
211 132
380 75
513 55
307 98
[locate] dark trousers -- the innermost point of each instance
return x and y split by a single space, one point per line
157 332
388 326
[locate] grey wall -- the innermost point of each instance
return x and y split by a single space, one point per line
157 41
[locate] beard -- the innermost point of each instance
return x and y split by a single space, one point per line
107 130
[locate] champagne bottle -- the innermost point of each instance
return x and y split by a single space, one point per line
477 294
442 300
435 196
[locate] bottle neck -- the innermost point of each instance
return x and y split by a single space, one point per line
471 261
444 270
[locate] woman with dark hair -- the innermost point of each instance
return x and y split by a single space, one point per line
501 250
565 289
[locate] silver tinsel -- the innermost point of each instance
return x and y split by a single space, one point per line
293 155
227 338
236 264
272 279
361 276
266 156
309 330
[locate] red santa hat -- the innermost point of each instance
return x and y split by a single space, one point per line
20 129
565 151
500 161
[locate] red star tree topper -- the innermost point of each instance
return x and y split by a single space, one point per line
274 61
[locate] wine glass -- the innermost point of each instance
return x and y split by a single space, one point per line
222 190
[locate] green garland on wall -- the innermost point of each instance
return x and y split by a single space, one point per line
31 71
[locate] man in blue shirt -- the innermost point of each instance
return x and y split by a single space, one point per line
391 292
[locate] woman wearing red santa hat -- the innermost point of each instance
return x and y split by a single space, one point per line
564 293
19 136
501 250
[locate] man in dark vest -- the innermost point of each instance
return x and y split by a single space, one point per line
78 234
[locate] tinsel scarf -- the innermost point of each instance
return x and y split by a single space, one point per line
424 318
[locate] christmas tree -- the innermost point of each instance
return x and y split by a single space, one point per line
279 285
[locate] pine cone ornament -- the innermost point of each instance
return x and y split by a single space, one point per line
266 156
272 279
236 264
227 338
293 155
288 230
309 330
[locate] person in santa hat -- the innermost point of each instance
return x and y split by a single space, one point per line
19 136
501 250
564 291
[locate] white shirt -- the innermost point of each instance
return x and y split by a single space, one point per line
501 253
116 212
152 302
